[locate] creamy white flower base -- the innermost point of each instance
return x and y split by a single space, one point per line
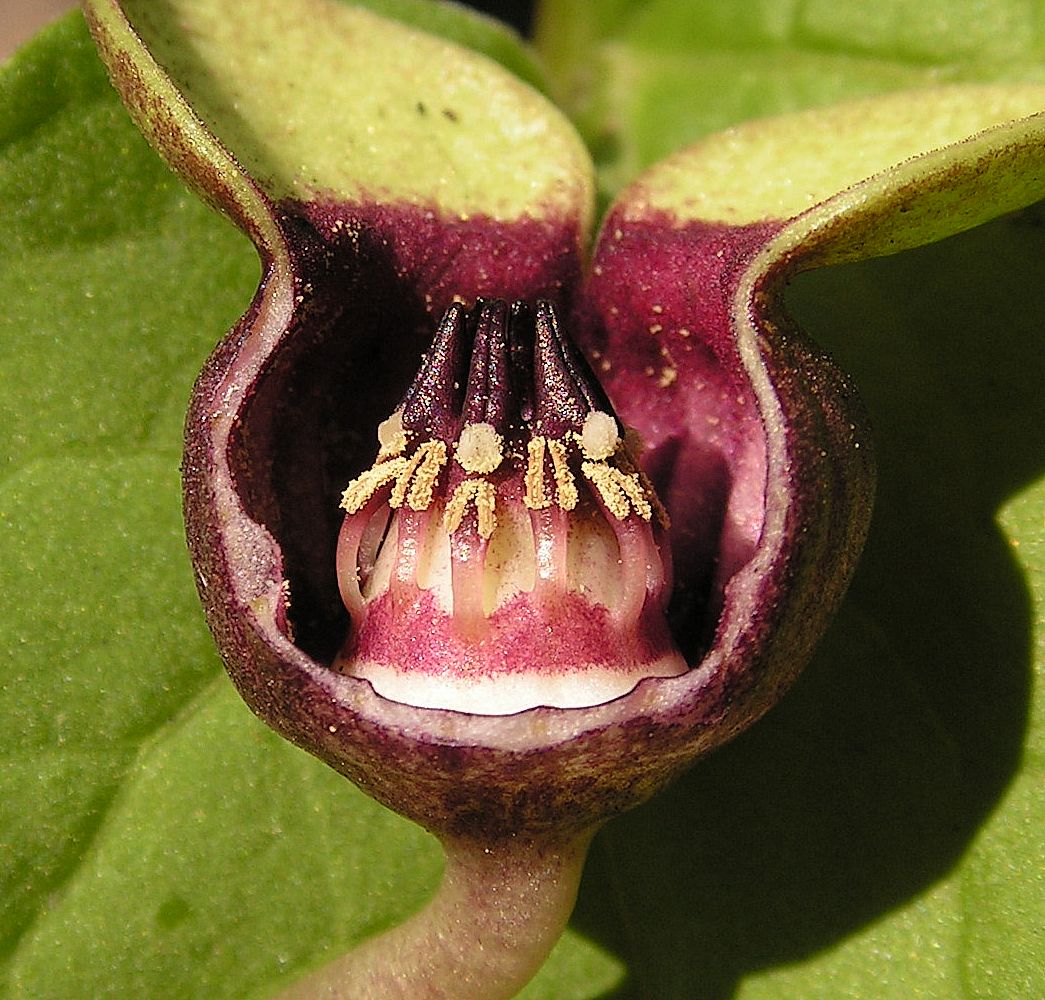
579 687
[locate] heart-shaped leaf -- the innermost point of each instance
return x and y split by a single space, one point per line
830 836
125 871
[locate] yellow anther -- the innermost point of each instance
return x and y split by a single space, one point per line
626 463
565 486
418 460
620 491
632 486
415 478
481 493
536 496
422 486
364 486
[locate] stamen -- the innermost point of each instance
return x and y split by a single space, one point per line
363 487
536 496
565 485
426 474
622 493
481 493
348 571
467 576
625 459
411 556
632 486
551 529
402 485
639 577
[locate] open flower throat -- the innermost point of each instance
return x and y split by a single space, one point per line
504 551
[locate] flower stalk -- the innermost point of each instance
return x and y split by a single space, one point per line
496 915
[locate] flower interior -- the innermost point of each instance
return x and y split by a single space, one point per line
556 602
504 550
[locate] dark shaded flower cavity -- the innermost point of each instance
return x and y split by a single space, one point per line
504 550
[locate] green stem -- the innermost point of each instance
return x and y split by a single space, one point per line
497 914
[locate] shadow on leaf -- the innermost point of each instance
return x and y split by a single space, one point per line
866 785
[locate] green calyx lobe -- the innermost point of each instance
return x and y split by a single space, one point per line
865 178
316 100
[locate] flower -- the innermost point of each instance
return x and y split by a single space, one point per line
753 439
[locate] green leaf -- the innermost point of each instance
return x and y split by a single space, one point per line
875 835
155 839
878 835
646 78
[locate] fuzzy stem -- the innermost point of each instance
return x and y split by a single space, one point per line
495 917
